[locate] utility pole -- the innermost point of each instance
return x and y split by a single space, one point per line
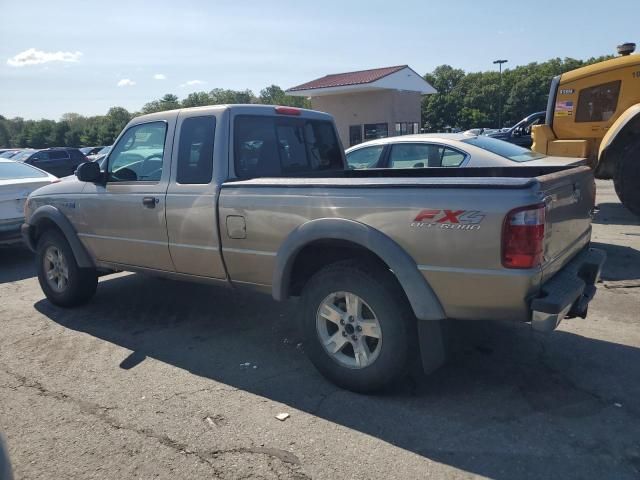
500 62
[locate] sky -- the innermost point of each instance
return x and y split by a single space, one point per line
85 56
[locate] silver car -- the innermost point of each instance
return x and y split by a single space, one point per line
447 150
17 181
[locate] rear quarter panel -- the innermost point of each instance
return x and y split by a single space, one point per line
461 261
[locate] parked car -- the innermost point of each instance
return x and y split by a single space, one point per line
17 181
9 153
86 151
446 150
380 257
520 133
103 152
58 161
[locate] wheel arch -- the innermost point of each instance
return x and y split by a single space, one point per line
622 133
49 217
354 237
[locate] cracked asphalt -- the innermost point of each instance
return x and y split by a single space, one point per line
150 380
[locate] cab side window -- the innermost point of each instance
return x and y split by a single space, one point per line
138 155
421 155
366 157
195 153
599 103
414 155
40 157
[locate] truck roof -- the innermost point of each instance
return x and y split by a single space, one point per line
614 63
248 109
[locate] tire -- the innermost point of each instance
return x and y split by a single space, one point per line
627 179
380 361
62 281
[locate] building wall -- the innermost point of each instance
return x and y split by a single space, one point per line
379 106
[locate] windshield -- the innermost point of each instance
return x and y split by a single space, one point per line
504 149
12 171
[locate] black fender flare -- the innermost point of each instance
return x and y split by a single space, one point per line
51 213
423 300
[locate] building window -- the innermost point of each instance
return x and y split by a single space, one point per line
355 135
407 128
597 104
375 130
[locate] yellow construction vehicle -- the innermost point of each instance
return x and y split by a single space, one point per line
594 112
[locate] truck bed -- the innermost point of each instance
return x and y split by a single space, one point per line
482 177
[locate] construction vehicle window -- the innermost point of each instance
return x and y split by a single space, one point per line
598 104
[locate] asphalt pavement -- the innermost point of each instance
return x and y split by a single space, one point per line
161 379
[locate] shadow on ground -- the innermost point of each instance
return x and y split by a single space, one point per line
509 405
615 214
623 263
16 263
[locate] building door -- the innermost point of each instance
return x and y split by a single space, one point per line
355 135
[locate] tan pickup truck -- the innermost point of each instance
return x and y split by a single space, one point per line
259 196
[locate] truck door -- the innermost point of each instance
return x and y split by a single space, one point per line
124 220
192 223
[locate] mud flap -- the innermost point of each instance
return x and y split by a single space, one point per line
433 344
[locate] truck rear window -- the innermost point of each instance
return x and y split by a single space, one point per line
502 148
273 146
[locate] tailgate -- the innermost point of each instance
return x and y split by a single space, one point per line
569 196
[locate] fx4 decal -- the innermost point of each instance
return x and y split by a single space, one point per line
449 219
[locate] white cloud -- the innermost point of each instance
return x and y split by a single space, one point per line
192 83
125 82
35 57
159 76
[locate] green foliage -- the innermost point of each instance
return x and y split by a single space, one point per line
471 100
274 95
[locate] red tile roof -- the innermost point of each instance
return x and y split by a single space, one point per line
349 78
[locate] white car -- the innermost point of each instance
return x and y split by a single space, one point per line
446 150
17 181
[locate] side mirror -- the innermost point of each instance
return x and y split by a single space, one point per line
88 172
517 132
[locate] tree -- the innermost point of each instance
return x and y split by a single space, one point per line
197 99
441 109
168 102
274 95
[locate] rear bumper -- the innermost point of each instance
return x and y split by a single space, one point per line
567 294
10 231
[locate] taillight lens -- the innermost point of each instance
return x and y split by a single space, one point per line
523 237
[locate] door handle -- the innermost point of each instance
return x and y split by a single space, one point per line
150 202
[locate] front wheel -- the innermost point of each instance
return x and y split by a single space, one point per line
627 179
61 279
356 323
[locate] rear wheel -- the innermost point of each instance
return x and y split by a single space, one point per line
627 179
61 279
357 324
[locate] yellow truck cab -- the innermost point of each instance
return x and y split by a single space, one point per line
594 112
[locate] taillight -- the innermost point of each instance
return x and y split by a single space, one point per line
288 111
523 237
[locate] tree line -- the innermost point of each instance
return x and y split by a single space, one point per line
471 100
75 130
464 100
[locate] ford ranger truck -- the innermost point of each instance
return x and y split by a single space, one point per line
259 196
